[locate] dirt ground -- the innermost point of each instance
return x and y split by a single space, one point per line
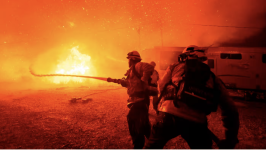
45 119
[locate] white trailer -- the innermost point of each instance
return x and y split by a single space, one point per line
240 68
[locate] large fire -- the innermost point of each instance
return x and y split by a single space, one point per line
75 64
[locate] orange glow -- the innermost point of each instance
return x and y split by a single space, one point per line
38 33
75 64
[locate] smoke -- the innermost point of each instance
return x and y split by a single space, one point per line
203 22
40 33
256 39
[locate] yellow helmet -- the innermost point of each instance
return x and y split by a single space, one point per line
134 55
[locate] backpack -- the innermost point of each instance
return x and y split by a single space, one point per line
139 76
194 93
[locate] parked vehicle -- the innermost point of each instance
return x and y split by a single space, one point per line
240 68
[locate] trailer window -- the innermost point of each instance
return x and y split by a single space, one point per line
211 63
264 58
230 56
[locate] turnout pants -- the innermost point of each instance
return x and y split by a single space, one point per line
138 122
168 126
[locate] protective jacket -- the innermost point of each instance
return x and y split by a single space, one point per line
175 74
137 81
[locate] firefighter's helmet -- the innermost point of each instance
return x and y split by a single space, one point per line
194 52
134 55
153 63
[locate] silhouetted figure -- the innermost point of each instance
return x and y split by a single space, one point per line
189 91
139 90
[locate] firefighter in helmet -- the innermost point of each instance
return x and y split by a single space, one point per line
138 90
189 92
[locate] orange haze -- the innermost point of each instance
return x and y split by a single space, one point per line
40 33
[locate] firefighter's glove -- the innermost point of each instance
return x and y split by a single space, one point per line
227 143
123 83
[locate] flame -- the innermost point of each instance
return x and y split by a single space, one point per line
75 64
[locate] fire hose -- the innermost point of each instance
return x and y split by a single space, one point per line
119 81
67 75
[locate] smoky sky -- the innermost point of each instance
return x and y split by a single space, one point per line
38 32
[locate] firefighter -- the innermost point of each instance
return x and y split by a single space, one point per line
138 90
189 91
154 82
